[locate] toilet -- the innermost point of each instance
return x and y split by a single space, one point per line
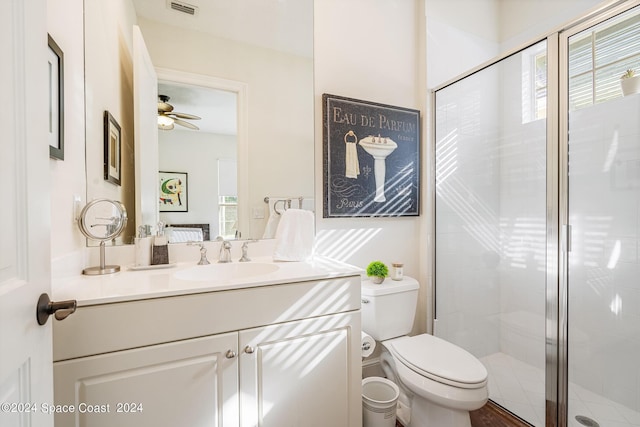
440 381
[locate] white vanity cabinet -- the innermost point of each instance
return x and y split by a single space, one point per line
276 355
298 373
184 383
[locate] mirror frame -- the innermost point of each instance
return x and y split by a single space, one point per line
241 90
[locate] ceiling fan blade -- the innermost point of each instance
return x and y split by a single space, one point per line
163 107
186 124
184 116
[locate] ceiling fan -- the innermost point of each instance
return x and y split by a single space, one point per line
167 117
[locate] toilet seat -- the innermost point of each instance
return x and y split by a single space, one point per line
439 360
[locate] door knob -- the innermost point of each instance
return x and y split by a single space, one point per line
60 309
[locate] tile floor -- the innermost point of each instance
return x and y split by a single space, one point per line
519 387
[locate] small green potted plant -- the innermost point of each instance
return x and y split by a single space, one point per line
630 82
377 271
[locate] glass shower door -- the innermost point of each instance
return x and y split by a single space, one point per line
490 265
603 271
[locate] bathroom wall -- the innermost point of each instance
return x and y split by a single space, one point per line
523 21
464 34
68 178
457 41
342 53
372 50
197 154
460 35
64 23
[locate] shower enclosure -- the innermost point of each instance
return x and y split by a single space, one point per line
537 218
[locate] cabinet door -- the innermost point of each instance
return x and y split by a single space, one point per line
185 383
302 374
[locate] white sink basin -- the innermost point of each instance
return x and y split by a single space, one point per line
379 148
225 272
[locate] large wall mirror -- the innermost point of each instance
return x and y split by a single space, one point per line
245 67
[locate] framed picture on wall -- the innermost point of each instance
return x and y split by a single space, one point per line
112 149
371 159
173 192
55 72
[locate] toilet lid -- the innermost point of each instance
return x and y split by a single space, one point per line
440 360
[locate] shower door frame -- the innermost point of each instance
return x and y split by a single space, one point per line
555 330
558 228
613 9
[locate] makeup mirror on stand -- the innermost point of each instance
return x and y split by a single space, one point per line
102 220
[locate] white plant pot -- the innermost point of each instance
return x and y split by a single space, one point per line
630 85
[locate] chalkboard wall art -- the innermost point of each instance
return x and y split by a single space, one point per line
371 159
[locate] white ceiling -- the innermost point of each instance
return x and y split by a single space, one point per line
217 108
273 24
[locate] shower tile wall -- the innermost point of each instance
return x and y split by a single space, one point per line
490 225
604 285
467 218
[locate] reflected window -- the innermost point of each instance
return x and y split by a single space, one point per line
228 198
534 83
599 58
228 216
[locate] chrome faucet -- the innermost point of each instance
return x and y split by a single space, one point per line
245 247
225 250
203 253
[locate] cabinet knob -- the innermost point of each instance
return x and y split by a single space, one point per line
248 349
230 354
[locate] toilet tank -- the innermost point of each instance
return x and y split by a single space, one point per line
388 309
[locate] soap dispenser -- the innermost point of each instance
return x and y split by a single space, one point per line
160 248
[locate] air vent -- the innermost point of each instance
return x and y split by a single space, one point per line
182 7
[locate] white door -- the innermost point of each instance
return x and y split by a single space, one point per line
25 347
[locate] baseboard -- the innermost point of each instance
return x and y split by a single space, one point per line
371 368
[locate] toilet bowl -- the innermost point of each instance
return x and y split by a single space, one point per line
441 381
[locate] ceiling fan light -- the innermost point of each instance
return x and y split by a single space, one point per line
164 121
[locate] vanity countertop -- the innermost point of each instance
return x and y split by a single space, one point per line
131 285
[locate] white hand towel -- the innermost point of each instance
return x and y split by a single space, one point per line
352 166
295 236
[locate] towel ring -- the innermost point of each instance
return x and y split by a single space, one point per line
275 206
350 134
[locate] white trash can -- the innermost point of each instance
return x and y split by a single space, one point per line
379 401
